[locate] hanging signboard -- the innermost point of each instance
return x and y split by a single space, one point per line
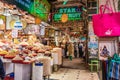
73 13
25 4
38 8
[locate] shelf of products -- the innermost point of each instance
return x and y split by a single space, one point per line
23 53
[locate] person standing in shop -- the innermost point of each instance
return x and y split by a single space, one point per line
83 49
71 50
2 72
75 49
80 46
66 49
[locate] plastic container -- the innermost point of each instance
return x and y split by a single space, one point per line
37 72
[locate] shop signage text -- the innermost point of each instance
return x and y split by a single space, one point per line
74 13
18 25
24 3
39 8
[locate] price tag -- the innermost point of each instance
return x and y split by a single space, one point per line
14 33
42 30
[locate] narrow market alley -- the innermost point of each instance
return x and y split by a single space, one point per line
59 40
74 70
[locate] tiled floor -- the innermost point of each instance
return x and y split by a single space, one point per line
76 63
74 70
73 74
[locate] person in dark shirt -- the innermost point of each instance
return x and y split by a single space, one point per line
2 71
80 46
66 49
75 49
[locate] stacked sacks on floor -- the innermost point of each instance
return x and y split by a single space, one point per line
46 65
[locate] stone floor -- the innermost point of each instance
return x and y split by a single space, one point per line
76 63
73 74
74 70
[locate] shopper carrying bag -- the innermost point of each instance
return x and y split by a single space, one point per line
106 24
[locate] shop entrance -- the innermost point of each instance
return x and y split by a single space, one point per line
74 42
72 22
74 54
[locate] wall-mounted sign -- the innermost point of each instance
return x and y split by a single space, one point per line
39 8
10 20
25 4
74 13
18 25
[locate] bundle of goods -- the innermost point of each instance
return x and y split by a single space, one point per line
59 51
46 65
55 57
